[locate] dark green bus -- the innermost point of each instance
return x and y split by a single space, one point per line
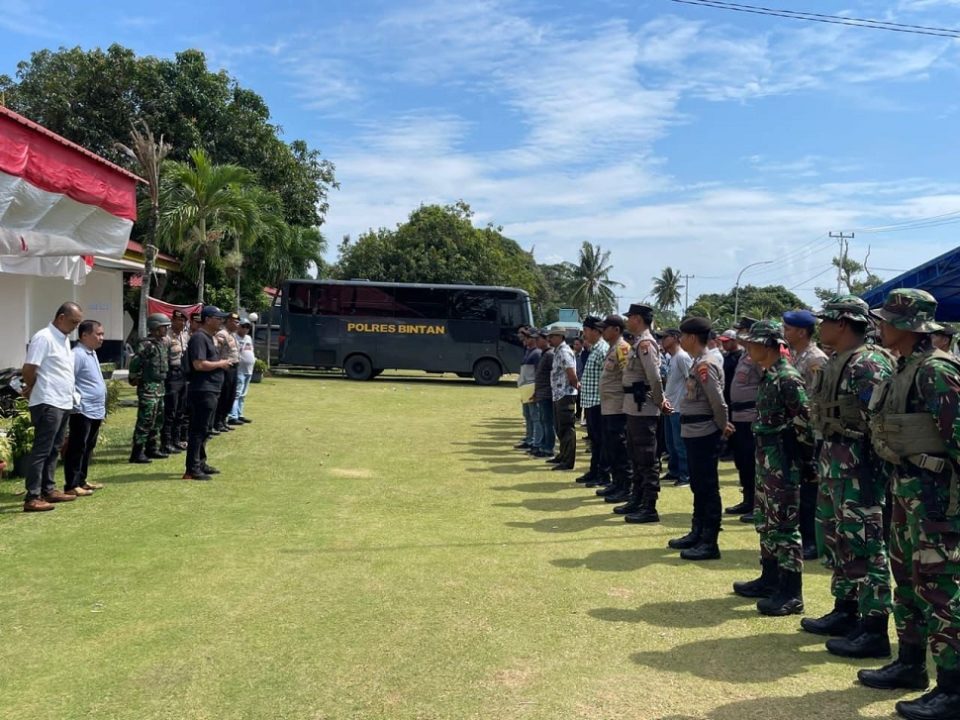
367 327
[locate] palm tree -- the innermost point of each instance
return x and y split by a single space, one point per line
263 224
593 290
149 155
200 203
667 287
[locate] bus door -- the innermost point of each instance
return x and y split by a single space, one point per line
473 327
513 315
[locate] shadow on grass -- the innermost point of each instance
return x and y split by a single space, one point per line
515 468
703 613
763 658
631 560
557 504
580 523
833 703
436 379
534 487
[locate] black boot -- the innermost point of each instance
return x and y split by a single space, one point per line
614 488
907 672
647 512
764 586
941 703
689 540
839 622
706 548
153 452
634 506
585 478
618 496
739 509
788 598
138 457
172 449
869 640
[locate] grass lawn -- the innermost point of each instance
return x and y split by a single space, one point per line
377 550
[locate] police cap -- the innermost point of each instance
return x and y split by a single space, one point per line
696 326
614 321
644 311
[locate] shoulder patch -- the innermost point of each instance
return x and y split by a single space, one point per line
703 371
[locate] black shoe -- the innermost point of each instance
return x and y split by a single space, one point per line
739 509
631 507
156 454
687 541
941 703
224 428
609 489
172 449
561 466
585 478
668 476
907 672
213 433
522 446
599 483
210 470
681 482
764 586
646 515
245 421
868 640
542 454
839 622
617 497
554 460
138 457
703 550
788 598
810 552
749 518
234 422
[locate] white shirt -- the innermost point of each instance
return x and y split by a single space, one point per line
50 351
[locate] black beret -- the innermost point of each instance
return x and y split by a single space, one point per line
695 326
614 321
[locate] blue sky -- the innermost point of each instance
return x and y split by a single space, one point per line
667 133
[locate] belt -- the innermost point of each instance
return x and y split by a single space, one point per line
748 405
688 419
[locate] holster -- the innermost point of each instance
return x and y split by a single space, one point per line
639 390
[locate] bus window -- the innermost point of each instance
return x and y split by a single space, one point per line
412 302
473 305
512 314
373 302
301 298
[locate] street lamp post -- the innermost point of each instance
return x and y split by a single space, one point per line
736 290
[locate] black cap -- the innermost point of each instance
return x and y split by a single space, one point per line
640 309
593 322
696 326
614 321
745 323
178 314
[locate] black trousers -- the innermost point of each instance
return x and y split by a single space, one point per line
615 448
642 447
227 395
808 513
203 406
564 422
745 458
598 462
84 433
49 427
175 395
703 456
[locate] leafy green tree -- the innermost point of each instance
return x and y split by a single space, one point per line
593 290
855 277
559 279
667 287
769 301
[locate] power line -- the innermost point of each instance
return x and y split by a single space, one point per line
829 19
822 272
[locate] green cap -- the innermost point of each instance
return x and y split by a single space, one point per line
763 331
909 309
845 307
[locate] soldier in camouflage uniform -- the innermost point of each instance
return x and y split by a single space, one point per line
915 424
852 483
784 445
151 365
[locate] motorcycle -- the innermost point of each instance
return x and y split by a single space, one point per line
11 386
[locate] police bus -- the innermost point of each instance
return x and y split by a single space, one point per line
367 327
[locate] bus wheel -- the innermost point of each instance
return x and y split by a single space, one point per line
358 367
486 372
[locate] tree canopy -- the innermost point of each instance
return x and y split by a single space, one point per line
769 301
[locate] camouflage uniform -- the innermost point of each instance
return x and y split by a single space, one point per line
809 362
153 372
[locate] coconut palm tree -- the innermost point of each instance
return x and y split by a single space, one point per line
667 287
263 225
593 290
148 154
200 204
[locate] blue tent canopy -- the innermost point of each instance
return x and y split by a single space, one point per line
940 277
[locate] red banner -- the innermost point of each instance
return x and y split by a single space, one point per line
159 306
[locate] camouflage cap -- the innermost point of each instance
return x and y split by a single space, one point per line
909 309
763 331
845 307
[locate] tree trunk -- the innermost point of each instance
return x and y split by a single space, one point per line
236 247
149 256
203 259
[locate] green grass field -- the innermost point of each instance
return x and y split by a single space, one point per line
377 550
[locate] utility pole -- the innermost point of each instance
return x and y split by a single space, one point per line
686 292
736 287
844 240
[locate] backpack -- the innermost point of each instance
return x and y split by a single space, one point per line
135 370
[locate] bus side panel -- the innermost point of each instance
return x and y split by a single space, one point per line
472 340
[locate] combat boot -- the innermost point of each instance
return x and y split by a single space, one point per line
614 488
138 457
155 453
839 622
788 598
706 548
764 586
647 513
907 672
634 506
869 640
172 449
617 496
941 703
689 540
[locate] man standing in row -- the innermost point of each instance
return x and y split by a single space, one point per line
49 386
642 402
674 389
612 419
915 424
852 484
543 397
590 399
564 387
743 388
206 382
89 413
175 390
149 369
244 372
229 350
527 376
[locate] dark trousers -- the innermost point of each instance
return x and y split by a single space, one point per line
564 422
703 455
545 408
49 427
599 467
175 395
615 448
81 441
744 457
203 406
227 395
184 424
642 446
808 513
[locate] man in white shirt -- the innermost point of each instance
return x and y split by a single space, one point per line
244 372
48 379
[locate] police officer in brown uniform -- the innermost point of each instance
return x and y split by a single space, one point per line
613 423
642 402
